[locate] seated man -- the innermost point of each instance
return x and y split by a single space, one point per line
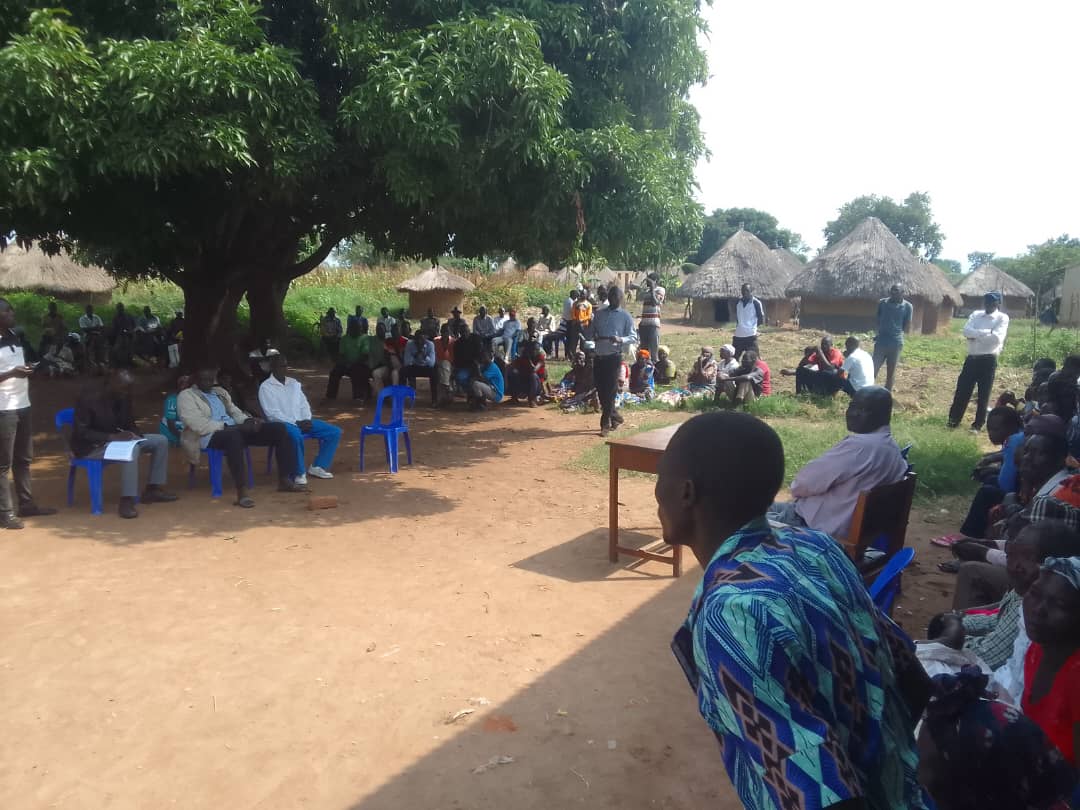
429 325
103 414
703 373
752 379
486 383
212 421
665 368
171 427
443 378
820 372
827 489
858 367
457 323
484 325
419 361
525 374
282 400
352 362
382 374
507 336
259 360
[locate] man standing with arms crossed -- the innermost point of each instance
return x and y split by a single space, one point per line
749 315
893 321
16 433
613 331
985 331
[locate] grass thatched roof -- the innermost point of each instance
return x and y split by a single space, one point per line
950 293
539 267
435 278
863 265
990 277
33 270
789 262
744 259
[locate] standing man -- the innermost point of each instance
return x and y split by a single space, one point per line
573 326
749 315
282 400
103 414
893 322
652 298
16 446
358 319
985 331
613 331
811 690
330 331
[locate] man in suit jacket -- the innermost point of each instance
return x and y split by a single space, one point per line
211 420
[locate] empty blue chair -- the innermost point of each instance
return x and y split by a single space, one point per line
399 395
887 585
215 459
95 467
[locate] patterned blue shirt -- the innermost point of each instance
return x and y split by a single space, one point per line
795 672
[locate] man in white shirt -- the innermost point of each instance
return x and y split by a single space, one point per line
93 335
858 367
749 314
282 400
500 321
985 331
827 489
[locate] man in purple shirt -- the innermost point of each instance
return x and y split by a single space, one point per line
827 489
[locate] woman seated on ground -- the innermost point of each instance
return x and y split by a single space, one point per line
666 372
171 427
1052 664
703 372
578 386
997 471
641 375
524 377
979 754
727 364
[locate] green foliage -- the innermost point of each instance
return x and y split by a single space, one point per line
722 224
977 259
1044 265
911 221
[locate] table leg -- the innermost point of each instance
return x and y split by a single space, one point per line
613 506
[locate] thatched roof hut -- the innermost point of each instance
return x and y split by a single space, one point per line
717 284
436 289
840 289
538 269
1016 294
59 276
789 262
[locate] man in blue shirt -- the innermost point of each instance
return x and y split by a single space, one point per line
613 331
893 320
486 383
419 361
811 690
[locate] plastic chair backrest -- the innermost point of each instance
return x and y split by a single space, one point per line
901 560
398 394
65 417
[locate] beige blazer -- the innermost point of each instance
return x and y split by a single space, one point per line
194 413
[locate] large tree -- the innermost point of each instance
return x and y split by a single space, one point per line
722 223
228 145
1044 265
911 221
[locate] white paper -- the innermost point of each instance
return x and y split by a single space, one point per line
121 451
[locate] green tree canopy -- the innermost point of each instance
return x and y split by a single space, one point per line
978 258
722 224
1044 265
228 145
911 221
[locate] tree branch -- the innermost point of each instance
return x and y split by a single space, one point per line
330 241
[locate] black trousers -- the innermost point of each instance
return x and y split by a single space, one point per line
573 338
233 440
410 373
360 375
825 383
16 453
976 524
978 370
606 376
745 344
649 337
332 346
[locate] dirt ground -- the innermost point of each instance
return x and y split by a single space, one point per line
209 657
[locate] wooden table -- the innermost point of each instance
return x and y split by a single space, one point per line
640 453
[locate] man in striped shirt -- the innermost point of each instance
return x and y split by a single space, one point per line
653 296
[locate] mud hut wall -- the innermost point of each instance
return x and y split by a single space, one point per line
843 315
441 301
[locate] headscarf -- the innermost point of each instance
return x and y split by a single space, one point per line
643 354
664 349
998 759
1068 567
727 347
708 350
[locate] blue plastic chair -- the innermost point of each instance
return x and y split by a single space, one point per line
271 452
215 459
887 584
399 395
95 467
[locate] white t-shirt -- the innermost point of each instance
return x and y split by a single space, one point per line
14 391
746 318
859 366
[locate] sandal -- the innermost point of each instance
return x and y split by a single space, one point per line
950 567
947 540
244 503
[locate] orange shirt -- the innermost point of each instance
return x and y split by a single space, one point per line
582 312
444 350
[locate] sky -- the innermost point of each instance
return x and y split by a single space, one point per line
810 104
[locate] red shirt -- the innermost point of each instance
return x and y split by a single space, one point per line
766 382
444 350
1059 709
836 358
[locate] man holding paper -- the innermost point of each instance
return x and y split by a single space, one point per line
105 429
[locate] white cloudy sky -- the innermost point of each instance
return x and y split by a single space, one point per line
813 103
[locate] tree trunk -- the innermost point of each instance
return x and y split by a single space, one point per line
210 325
266 299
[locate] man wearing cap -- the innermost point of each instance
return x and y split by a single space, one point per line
457 323
985 332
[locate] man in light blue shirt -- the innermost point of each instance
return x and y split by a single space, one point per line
419 361
613 331
893 321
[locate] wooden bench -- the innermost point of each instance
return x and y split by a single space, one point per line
882 512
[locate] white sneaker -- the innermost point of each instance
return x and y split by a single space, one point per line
319 472
301 480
